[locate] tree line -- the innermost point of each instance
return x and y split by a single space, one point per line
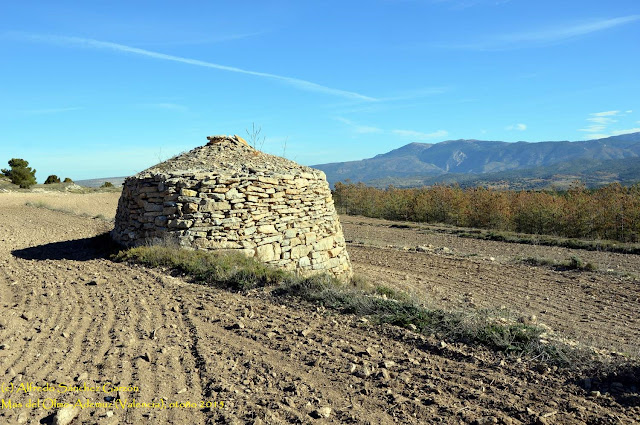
24 176
611 212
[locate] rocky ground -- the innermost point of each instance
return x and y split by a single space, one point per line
113 335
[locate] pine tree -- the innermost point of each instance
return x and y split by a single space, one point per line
20 173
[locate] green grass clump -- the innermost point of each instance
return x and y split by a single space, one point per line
391 293
39 204
377 303
229 270
44 205
546 240
573 263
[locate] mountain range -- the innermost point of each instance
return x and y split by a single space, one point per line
495 163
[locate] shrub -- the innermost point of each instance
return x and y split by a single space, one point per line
106 185
20 173
608 213
573 263
52 179
576 263
67 180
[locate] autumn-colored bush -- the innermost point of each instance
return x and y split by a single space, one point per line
611 212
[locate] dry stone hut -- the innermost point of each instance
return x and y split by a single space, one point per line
228 196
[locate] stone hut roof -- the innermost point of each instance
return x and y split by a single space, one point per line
228 155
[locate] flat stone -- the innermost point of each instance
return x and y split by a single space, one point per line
215 206
187 192
152 207
265 253
268 180
324 244
300 251
268 228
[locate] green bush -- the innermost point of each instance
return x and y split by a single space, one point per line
576 263
67 180
20 173
106 185
52 179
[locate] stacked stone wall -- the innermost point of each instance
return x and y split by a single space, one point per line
285 220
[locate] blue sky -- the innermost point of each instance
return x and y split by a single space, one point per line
98 89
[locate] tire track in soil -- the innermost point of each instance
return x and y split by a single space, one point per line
16 326
35 352
79 335
106 325
114 365
133 336
184 384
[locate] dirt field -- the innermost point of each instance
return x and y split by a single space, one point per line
599 309
70 316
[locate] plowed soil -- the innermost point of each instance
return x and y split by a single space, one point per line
599 309
103 332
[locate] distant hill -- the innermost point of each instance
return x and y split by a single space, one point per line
116 181
593 173
521 164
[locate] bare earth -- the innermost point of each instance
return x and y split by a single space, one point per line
70 316
599 309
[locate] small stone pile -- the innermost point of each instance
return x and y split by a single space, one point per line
228 196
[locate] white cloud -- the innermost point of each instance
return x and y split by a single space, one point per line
105 45
565 32
614 133
605 113
627 131
518 127
593 128
358 128
602 121
557 34
204 39
48 111
418 135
